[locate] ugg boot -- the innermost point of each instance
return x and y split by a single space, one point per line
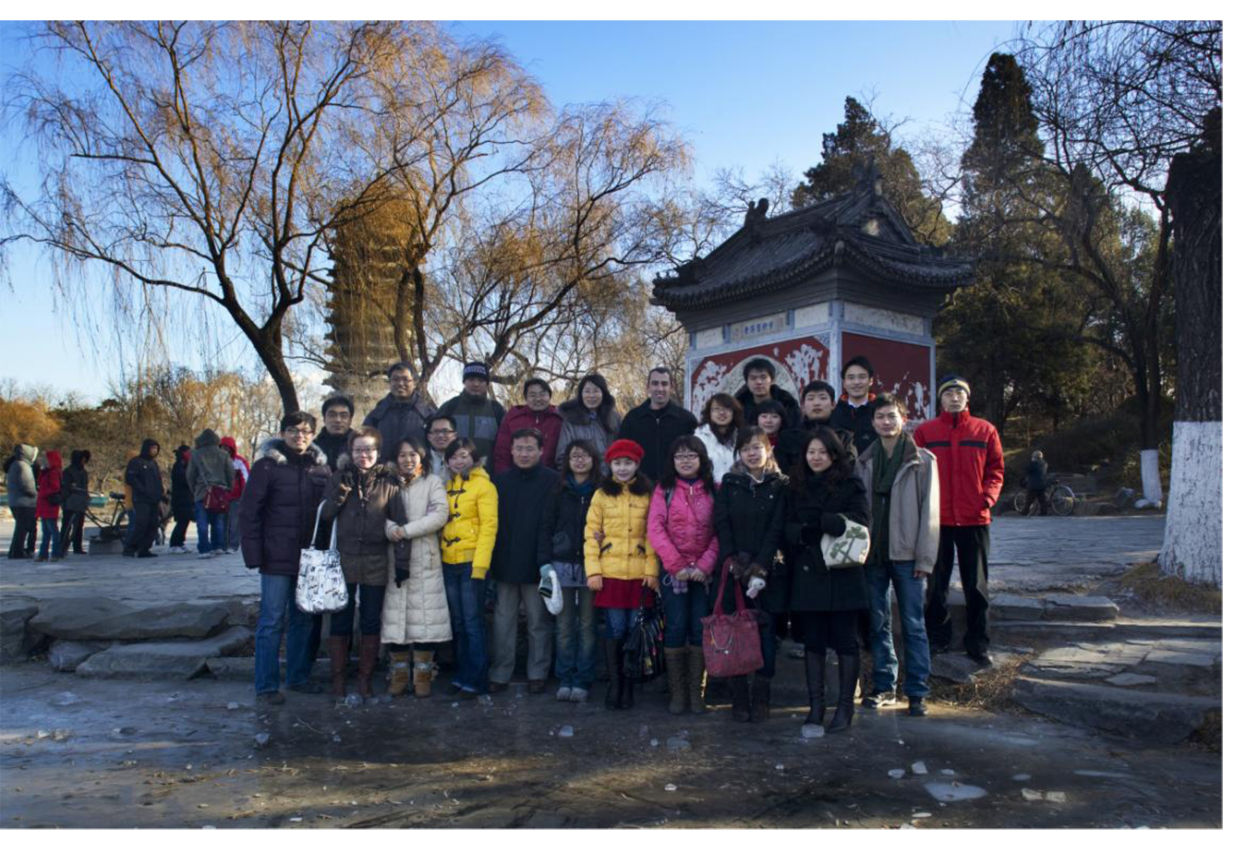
611 652
677 679
367 658
760 699
338 651
815 683
739 686
850 669
697 681
398 665
424 670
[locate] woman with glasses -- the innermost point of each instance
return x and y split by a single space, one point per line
362 497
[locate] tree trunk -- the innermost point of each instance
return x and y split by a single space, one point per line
1193 540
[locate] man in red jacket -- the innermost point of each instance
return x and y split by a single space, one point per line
970 464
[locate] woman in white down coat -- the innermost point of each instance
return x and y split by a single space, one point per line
721 419
415 606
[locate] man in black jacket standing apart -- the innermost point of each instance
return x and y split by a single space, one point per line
143 476
523 490
656 423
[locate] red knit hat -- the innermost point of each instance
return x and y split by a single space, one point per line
624 449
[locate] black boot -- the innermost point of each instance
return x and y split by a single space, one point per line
611 652
850 668
815 682
760 701
739 686
626 681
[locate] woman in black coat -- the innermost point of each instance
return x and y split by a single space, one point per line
182 500
749 517
75 483
824 492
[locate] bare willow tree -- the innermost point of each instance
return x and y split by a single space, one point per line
195 158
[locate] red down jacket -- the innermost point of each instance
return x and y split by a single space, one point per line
970 464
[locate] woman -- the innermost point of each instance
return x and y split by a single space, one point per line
824 493
590 416
561 543
183 500
76 486
749 520
47 507
277 521
467 544
362 497
682 531
415 608
721 418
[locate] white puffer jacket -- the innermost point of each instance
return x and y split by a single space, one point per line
722 456
418 609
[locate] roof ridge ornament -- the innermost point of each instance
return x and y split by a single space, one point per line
868 177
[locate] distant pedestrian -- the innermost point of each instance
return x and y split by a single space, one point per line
241 474
1036 481
402 413
182 500
47 508
147 483
23 494
475 415
75 483
210 477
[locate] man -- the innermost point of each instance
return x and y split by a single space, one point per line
537 413
143 476
970 465
210 467
277 521
440 432
333 438
401 414
902 482
476 416
854 415
514 566
1035 483
760 387
656 423
817 402
23 494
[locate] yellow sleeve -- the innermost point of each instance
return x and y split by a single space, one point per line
594 523
652 560
488 525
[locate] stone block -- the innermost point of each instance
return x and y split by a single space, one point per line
103 619
1014 607
155 659
1128 680
67 655
16 640
1079 607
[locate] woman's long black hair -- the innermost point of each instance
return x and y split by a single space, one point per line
706 473
841 459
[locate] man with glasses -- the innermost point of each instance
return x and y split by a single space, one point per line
402 414
537 413
440 432
277 521
333 438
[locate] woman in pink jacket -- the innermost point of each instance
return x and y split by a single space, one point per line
681 530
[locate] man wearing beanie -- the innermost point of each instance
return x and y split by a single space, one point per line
970 464
476 415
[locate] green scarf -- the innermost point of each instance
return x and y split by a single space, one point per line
885 470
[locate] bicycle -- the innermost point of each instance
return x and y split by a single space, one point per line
113 528
1061 497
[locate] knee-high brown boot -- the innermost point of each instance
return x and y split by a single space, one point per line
367 658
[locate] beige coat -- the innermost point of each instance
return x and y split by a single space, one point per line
914 526
418 609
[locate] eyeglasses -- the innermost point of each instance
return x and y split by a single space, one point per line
364 451
401 380
443 432
306 433
685 457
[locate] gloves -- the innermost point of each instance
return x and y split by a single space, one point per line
342 491
755 585
402 574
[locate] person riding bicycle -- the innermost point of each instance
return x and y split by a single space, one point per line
1036 481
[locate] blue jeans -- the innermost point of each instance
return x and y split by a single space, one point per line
469 632
910 595
684 613
276 607
575 639
211 528
618 622
50 533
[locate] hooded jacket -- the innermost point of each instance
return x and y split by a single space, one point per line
23 491
655 431
913 525
49 487
241 467
792 409
417 609
548 422
143 476
182 495
970 466
398 420
473 519
522 493
209 464
476 418
681 527
75 483
278 507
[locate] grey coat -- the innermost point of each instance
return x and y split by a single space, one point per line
578 425
23 492
209 464
914 525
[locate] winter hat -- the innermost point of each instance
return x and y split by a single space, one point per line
475 369
953 381
623 448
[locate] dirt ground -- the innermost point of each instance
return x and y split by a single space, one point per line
78 752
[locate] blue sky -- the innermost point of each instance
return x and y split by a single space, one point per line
744 94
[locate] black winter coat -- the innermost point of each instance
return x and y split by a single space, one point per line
333 447
396 421
859 422
182 494
561 534
749 518
655 432
75 488
278 506
821 508
143 476
522 496
792 409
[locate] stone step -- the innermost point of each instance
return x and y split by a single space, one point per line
104 619
163 659
1063 632
1173 665
1152 717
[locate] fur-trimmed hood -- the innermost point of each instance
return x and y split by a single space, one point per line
270 449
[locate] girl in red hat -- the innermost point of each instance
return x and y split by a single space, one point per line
620 564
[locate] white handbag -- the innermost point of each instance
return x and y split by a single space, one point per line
847 550
320 579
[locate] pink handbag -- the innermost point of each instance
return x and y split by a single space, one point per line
730 643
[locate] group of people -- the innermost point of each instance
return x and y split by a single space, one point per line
39 488
437 514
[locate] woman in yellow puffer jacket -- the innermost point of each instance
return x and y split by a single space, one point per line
467 543
620 563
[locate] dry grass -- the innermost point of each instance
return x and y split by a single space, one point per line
991 691
1160 592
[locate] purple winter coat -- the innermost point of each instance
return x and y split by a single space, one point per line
278 507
